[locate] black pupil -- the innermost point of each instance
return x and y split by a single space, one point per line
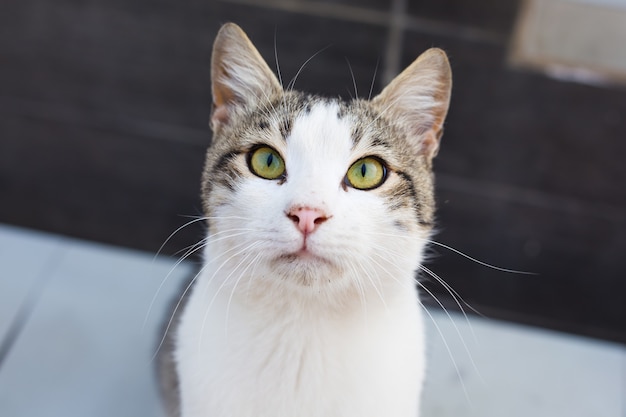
270 159
363 170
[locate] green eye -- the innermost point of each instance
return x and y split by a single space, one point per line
366 173
266 163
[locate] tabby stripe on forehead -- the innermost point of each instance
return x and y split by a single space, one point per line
357 135
285 127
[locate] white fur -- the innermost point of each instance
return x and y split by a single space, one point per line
260 339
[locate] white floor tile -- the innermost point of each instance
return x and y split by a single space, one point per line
85 350
25 260
520 372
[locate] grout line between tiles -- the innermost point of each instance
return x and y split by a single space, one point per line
393 52
28 305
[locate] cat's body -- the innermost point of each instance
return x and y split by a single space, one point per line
318 213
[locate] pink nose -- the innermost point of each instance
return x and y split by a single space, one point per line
307 219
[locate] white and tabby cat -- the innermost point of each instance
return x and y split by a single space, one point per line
318 212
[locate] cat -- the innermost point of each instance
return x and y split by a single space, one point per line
318 213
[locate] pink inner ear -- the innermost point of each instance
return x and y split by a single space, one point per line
219 116
429 145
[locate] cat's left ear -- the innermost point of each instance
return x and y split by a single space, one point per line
417 100
240 78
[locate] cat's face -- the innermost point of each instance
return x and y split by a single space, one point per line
311 193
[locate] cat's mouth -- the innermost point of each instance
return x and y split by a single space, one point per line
305 256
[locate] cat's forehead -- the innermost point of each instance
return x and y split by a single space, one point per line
321 126
310 123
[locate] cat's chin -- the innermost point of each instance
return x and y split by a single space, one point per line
305 268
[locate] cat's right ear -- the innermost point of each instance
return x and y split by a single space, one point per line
418 99
240 78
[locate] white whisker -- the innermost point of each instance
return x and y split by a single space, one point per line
253 273
187 288
356 91
458 252
445 343
497 268
455 296
188 250
456 328
292 83
222 285
359 285
193 248
232 292
369 96
176 307
174 232
160 287
430 293
382 299
280 77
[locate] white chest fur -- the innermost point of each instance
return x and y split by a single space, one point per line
243 359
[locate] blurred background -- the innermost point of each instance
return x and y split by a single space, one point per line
104 123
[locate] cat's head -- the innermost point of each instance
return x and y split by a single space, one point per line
312 193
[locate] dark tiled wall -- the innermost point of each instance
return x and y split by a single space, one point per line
104 124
